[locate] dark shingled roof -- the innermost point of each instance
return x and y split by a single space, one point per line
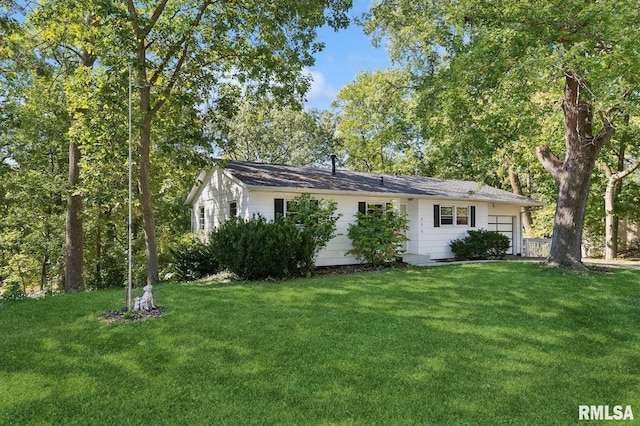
307 178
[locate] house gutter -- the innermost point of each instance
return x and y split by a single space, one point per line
298 190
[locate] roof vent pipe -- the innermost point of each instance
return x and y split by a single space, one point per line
381 180
333 164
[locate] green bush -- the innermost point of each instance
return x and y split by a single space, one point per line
11 291
377 238
480 244
193 259
257 249
316 221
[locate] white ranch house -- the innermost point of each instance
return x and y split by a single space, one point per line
438 210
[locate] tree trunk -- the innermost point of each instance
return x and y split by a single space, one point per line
98 246
573 175
171 64
44 272
611 220
144 187
74 275
525 212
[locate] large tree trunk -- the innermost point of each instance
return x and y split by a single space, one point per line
144 187
171 64
74 275
573 175
144 166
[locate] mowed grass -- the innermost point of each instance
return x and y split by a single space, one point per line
496 343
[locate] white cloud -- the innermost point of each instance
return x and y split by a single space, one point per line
321 93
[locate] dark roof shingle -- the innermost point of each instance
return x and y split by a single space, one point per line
297 177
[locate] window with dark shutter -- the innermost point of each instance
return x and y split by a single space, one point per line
436 215
362 207
473 216
278 207
462 215
447 215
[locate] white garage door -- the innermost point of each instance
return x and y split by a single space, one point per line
504 225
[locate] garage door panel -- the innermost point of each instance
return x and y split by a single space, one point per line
505 226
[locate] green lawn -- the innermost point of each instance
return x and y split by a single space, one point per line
494 343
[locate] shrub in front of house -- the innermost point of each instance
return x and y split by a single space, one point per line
193 259
481 244
316 220
377 239
256 248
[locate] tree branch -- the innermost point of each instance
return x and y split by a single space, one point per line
131 8
626 172
172 81
180 44
154 17
549 161
607 130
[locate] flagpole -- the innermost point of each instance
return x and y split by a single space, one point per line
129 254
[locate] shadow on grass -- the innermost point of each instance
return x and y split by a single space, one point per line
503 343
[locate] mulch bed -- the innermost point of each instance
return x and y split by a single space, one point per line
131 316
350 269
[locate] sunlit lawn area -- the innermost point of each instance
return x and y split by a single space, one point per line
494 343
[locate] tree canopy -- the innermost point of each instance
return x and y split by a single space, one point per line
188 59
471 56
376 127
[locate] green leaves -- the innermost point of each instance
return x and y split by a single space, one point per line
64 79
316 221
481 244
260 130
376 128
377 238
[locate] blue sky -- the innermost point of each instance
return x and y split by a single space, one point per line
346 53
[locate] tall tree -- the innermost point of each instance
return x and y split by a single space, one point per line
375 124
261 130
624 153
587 46
195 47
66 33
34 124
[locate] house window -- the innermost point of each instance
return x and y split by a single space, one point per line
290 211
233 209
278 207
454 215
462 215
446 215
201 219
376 209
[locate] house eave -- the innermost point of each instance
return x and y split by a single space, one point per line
392 195
197 187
